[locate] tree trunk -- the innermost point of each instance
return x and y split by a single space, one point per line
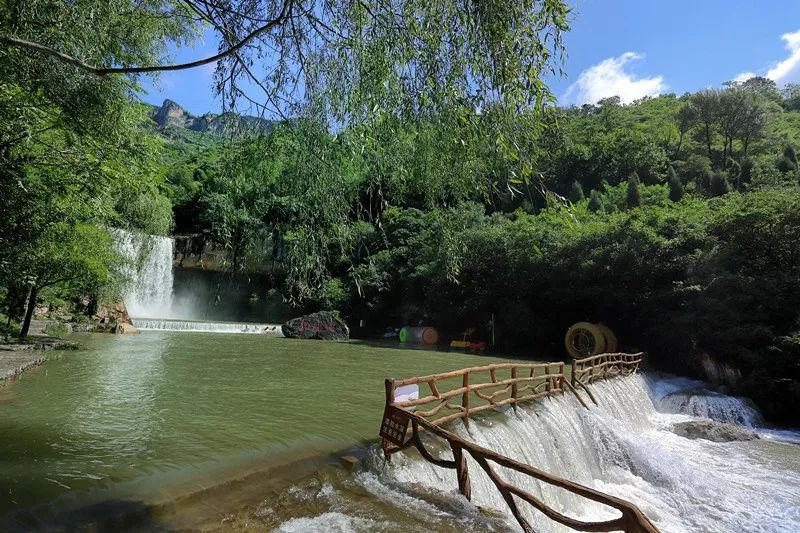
708 144
26 324
680 144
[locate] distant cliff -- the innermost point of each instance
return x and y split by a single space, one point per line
172 115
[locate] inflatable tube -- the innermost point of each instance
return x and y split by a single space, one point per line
429 336
404 334
419 335
611 339
584 339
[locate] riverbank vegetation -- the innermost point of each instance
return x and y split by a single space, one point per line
430 197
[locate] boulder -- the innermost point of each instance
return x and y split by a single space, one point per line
113 312
126 329
321 325
713 431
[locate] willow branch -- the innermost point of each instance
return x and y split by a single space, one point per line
104 71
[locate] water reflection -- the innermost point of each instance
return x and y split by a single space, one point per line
133 413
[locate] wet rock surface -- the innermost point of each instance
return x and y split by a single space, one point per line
322 325
713 431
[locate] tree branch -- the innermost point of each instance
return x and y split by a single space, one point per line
104 71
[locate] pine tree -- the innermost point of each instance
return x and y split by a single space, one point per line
746 172
576 194
671 173
790 154
718 185
675 186
596 203
785 164
633 199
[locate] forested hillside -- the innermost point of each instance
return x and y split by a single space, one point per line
675 220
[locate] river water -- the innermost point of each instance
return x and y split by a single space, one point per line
134 420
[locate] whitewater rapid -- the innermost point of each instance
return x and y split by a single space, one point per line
625 447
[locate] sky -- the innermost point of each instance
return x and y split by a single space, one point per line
625 48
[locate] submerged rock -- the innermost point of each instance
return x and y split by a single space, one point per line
322 325
713 431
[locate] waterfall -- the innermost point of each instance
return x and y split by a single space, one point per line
150 269
624 447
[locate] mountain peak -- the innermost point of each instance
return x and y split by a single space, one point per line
172 114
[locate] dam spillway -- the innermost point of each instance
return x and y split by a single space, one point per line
205 326
625 447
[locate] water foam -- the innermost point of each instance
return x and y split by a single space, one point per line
626 448
207 327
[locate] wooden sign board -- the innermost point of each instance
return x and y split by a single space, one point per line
394 425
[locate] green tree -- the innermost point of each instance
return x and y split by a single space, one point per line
633 198
675 186
790 154
345 61
718 184
80 257
576 193
706 109
596 202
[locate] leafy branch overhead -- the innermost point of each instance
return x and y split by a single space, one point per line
344 59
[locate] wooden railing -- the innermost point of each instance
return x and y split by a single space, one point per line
469 391
604 365
479 389
631 519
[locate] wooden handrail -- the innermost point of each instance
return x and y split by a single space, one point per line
631 519
525 382
543 379
604 365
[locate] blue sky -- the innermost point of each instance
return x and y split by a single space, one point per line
629 48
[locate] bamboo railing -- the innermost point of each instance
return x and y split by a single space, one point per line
525 382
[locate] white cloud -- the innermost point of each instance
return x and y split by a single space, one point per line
609 78
788 70
744 76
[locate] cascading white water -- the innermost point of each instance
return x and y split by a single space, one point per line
209 327
150 268
149 297
692 397
624 447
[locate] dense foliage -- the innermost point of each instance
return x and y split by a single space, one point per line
422 176
688 250
76 151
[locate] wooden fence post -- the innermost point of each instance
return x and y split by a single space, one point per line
389 385
547 378
461 471
465 399
514 388
573 371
